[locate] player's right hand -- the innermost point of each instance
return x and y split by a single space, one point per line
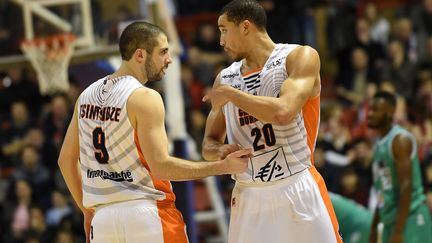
237 162
226 149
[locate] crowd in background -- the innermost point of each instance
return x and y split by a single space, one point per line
364 46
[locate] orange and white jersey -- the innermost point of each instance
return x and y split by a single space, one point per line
113 167
279 151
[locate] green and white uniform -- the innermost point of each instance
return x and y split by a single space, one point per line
418 225
354 220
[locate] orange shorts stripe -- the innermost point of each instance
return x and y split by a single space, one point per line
173 225
324 194
311 116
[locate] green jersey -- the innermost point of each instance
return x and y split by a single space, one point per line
385 177
354 220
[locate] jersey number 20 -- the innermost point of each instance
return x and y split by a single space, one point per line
101 153
269 136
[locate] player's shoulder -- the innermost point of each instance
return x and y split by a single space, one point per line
302 56
303 51
145 95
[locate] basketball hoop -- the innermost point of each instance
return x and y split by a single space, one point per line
50 58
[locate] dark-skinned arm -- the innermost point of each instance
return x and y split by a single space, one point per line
402 149
303 66
373 238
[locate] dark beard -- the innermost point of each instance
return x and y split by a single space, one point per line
152 75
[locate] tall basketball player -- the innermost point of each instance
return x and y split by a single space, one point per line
117 134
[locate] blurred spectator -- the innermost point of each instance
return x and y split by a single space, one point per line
59 209
351 188
421 17
336 144
426 61
33 171
379 26
207 38
404 33
64 236
18 87
399 70
17 212
55 125
362 166
38 226
112 31
340 25
352 87
374 50
14 132
73 222
36 138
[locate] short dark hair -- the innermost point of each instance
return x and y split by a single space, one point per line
240 10
138 35
389 98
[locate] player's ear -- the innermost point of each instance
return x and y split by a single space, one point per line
140 55
245 25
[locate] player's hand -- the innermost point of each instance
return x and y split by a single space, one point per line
396 237
88 216
226 149
237 162
217 96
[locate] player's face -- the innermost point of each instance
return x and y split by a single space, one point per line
158 61
379 114
230 38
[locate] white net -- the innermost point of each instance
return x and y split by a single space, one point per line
50 58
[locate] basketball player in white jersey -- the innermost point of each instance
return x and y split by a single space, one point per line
117 134
269 99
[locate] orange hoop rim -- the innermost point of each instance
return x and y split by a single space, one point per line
63 39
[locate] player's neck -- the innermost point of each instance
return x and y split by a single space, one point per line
127 70
383 131
260 51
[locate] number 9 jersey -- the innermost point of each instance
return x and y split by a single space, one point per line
279 151
113 168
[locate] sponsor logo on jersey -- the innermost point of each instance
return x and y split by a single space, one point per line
274 63
114 176
245 118
231 75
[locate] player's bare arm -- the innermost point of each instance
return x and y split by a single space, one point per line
215 132
68 163
303 67
373 237
402 151
146 113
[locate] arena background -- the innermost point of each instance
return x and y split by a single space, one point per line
364 46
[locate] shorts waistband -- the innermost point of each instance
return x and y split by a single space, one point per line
285 181
129 203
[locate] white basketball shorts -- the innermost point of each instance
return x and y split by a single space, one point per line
292 210
138 221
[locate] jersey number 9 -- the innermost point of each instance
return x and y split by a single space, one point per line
101 153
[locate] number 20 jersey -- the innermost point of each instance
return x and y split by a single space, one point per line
279 151
113 167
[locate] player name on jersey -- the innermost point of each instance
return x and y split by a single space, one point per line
99 113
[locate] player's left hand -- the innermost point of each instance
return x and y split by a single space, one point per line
396 237
218 96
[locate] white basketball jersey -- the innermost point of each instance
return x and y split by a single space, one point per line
279 151
112 165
